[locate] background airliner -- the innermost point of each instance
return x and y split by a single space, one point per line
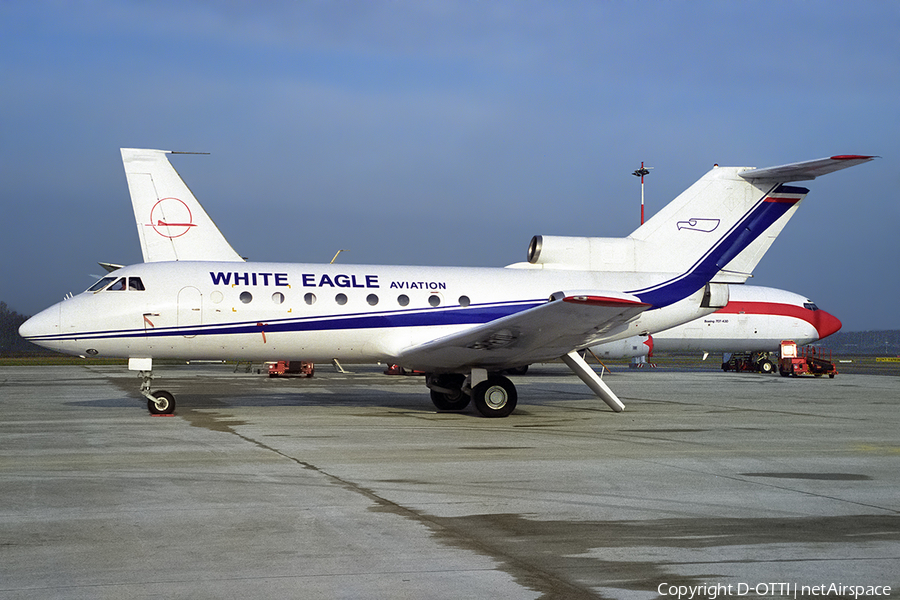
755 318
461 326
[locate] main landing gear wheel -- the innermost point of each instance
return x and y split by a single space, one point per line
164 404
495 397
455 398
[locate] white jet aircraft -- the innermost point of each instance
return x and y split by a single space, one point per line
755 318
459 325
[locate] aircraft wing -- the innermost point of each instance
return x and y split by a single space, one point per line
804 171
568 320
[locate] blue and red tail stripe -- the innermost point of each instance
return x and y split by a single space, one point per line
771 207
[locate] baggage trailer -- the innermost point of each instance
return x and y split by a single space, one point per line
803 361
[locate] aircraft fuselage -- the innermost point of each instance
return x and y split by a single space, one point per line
269 311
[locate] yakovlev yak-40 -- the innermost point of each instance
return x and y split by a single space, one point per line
194 297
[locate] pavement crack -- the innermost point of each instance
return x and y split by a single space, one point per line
455 533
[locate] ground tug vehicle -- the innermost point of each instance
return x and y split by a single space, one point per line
803 361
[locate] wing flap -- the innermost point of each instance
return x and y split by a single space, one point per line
807 170
568 320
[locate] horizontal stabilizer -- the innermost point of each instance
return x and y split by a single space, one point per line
110 267
807 170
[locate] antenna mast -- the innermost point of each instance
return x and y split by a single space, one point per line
640 173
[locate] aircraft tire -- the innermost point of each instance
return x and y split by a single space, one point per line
165 404
516 370
457 400
495 397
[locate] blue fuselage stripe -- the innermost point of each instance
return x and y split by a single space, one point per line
472 315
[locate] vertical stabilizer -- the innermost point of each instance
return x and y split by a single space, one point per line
715 231
170 221
723 224
721 210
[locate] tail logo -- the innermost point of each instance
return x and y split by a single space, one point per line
704 225
170 218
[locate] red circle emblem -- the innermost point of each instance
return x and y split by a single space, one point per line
171 218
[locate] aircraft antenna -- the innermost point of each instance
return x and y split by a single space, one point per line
640 173
336 255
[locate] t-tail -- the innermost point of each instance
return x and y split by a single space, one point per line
715 231
171 223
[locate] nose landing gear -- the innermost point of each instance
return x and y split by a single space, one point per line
159 402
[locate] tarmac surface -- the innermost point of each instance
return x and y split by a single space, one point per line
353 486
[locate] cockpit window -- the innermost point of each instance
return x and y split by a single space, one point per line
118 283
810 306
101 284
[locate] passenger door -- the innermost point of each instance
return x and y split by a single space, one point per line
189 310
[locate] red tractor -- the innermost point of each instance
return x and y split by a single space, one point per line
291 368
757 362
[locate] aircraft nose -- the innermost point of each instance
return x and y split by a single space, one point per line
826 324
41 325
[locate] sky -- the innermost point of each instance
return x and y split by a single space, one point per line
445 133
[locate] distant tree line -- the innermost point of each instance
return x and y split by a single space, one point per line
11 343
881 343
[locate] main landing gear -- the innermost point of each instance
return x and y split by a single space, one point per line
493 395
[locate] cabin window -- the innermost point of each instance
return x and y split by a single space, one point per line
101 284
403 300
277 297
341 299
246 297
372 299
310 298
464 301
135 283
434 300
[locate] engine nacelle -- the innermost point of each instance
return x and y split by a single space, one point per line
583 253
633 347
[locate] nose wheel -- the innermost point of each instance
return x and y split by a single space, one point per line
159 402
163 403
